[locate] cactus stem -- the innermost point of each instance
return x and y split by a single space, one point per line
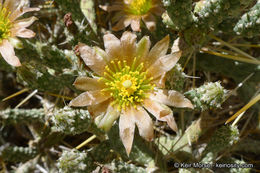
16 94
86 142
242 110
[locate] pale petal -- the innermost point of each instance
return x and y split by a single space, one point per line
88 84
99 109
94 58
23 23
11 5
128 46
150 22
109 118
160 81
144 123
7 52
159 50
161 112
20 11
142 48
112 46
126 129
163 64
23 32
121 24
172 98
135 25
157 10
89 98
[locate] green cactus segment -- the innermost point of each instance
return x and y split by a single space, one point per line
212 12
208 96
67 6
249 24
75 161
222 139
179 14
17 116
74 121
175 78
122 167
35 76
140 152
17 154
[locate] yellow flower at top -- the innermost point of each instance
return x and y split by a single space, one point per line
138 7
128 82
131 12
11 27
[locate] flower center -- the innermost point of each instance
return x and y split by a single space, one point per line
5 24
127 85
138 7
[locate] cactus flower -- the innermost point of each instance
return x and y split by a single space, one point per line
11 27
131 12
129 83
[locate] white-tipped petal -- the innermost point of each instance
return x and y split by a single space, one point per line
89 98
7 52
127 129
144 123
88 84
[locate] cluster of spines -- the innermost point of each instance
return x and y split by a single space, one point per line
249 24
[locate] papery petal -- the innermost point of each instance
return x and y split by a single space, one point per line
11 5
108 119
158 10
121 24
150 22
142 48
88 84
89 98
20 11
163 64
23 32
135 25
126 129
112 46
172 98
99 109
161 112
159 50
128 46
144 123
160 81
7 52
94 58
23 23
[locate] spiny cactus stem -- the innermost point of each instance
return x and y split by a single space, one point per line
86 142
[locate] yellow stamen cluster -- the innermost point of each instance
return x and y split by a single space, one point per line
127 85
5 24
138 7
